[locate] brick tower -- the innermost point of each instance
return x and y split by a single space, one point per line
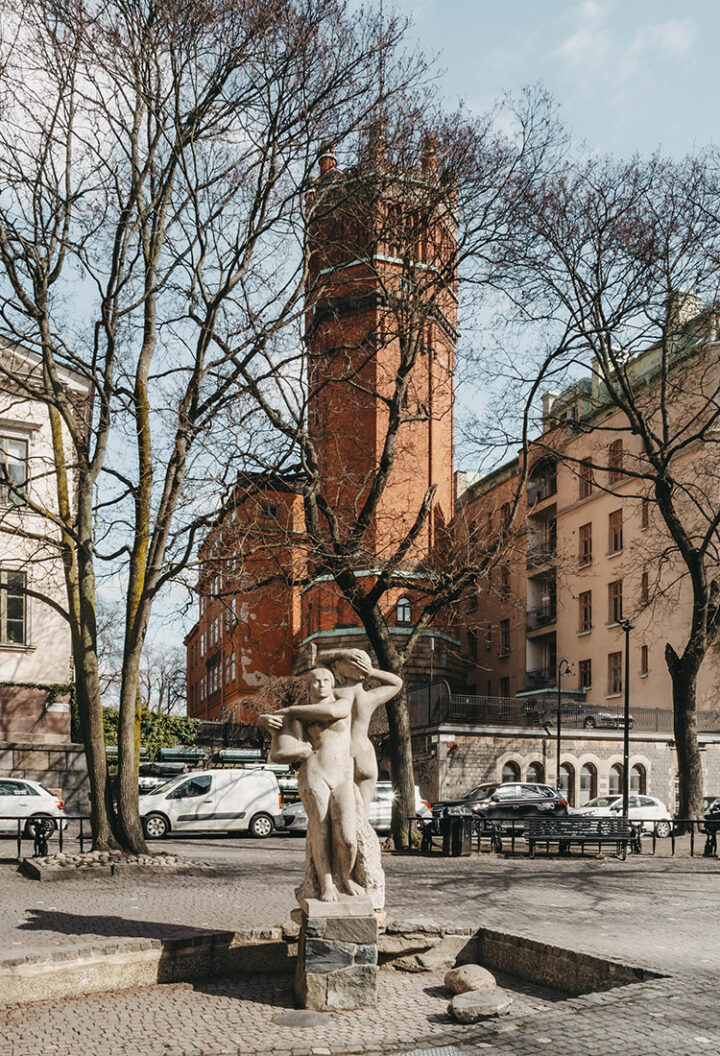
382 315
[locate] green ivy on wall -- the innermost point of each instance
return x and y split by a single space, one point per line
156 731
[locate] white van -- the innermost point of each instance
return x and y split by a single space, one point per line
214 801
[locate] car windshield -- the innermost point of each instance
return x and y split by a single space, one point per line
160 790
481 792
602 801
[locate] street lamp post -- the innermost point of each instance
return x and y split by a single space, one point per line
563 669
626 627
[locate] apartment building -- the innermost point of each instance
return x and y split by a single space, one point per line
35 647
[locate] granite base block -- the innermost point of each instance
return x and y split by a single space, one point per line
337 956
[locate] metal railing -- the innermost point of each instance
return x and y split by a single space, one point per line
541 617
540 554
504 837
25 825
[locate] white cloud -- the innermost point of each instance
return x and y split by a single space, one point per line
608 50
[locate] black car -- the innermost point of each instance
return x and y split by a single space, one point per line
505 803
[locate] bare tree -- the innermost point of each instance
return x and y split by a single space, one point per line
611 263
154 158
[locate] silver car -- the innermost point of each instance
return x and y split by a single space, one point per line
380 813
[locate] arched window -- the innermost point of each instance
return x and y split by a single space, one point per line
567 783
403 611
588 783
511 771
638 780
535 773
615 782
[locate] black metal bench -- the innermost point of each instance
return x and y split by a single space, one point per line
568 830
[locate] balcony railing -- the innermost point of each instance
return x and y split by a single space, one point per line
540 554
540 678
539 490
541 617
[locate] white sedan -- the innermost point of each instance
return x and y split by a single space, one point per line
22 798
651 811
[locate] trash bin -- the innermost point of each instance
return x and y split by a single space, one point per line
456 832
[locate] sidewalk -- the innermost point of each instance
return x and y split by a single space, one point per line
656 913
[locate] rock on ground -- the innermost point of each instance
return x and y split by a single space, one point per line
475 1005
469 977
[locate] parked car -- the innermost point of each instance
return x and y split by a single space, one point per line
573 713
506 802
380 813
647 809
606 719
152 775
214 801
709 802
31 800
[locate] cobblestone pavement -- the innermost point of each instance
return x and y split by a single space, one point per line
659 913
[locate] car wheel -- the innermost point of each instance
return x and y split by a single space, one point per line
155 826
663 829
261 825
589 722
40 825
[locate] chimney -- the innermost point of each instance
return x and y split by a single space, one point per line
428 153
327 158
548 399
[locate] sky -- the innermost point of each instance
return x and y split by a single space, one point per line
628 75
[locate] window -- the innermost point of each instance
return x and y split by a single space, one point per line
505 515
645 513
488 637
510 772
227 670
585 673
403 612
615 601
615 780
588 783
12 608
643 659
614 673
585 478
585 605
504 581
196 786
566 783
13 471
615 531
615 461
638 782
504 638
472 644
232 666
472 601
269 511
202 644
535 774
505 686
585 550
644 589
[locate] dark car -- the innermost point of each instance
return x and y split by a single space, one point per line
507 802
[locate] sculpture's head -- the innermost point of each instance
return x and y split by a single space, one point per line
347 669
320 682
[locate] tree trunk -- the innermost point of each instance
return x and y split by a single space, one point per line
683 673
401 762
129 825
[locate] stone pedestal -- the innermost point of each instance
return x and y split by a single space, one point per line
337 954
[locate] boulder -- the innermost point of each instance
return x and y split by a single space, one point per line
476 1005
443 955
469 977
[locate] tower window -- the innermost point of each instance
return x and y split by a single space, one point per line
403 610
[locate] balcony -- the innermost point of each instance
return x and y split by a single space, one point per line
540 554
541 617
540 489
540 678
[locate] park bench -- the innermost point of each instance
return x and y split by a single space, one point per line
568 830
